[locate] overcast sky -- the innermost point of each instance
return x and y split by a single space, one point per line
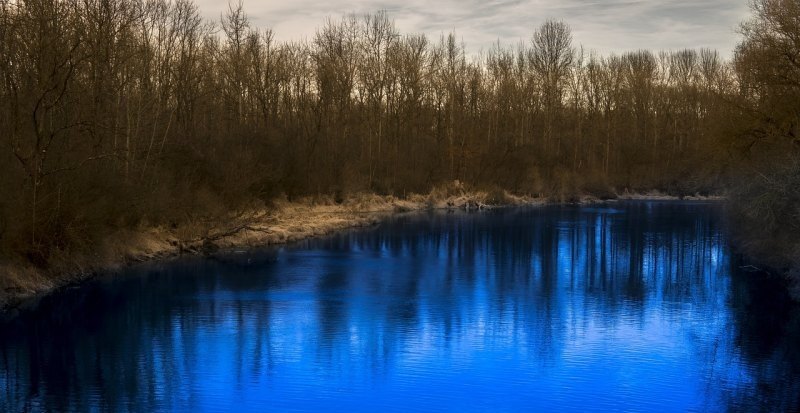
602 25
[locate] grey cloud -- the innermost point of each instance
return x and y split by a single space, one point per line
603 25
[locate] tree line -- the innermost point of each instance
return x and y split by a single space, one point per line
121 113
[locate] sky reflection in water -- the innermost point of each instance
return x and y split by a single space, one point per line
636 306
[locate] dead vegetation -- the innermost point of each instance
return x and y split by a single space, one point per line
282 223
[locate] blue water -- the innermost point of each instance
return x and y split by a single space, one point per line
636 307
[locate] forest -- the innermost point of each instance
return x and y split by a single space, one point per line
130 113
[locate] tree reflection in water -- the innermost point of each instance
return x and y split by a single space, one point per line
636 305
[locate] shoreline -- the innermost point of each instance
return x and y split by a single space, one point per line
22 286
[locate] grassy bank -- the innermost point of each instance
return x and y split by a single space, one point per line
280 223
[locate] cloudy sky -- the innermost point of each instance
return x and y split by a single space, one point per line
602 25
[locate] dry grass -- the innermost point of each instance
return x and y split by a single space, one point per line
284 222
660 196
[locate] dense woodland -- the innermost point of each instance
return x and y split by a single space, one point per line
127 113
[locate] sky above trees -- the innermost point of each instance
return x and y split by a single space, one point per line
603 25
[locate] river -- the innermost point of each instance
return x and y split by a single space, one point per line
629 306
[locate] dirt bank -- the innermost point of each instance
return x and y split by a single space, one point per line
281 223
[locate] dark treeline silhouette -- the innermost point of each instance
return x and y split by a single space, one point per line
119 113
765 197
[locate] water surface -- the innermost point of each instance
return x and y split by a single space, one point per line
637 306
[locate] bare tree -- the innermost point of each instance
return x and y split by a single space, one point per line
551 58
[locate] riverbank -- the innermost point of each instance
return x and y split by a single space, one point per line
283 222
